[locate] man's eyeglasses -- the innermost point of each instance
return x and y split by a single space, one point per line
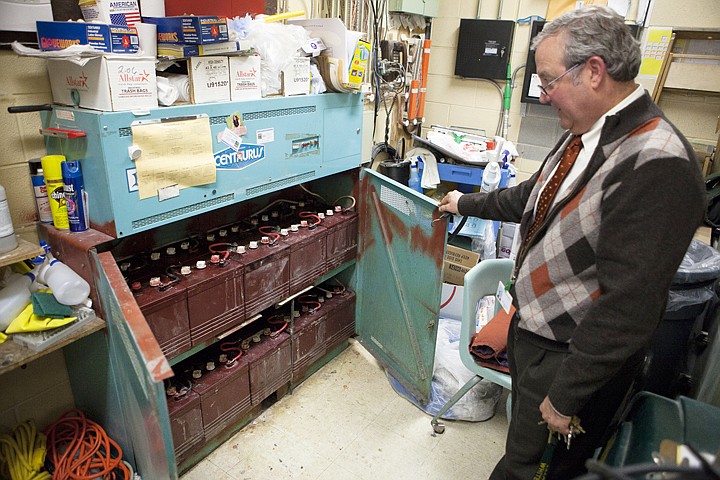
548 86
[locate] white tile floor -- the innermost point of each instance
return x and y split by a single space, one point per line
346 422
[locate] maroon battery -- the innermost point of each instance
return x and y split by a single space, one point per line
269 366
224 396
342 238
215 300
186 424
340 319
309 341
166 312
308 253
267 276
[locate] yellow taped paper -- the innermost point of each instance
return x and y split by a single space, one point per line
27 321
174 155
654 50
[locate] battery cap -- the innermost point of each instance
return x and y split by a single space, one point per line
185 270
200 264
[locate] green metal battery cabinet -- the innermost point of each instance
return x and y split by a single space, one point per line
397 275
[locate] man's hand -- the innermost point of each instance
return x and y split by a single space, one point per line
450 201
556 421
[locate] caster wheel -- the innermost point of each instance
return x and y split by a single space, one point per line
438 427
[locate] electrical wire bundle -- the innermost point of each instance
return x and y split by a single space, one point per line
79 449
22 454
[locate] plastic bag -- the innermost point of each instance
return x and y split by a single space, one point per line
701 263
449 375
277 44
681 298
489 246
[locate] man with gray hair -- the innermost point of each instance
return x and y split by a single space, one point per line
604 225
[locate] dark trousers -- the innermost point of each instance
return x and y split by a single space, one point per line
533 364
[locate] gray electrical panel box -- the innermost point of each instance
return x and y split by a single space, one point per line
483 49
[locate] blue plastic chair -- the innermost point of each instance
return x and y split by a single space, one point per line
480 281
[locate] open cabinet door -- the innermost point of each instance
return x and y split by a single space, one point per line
138 417
399 279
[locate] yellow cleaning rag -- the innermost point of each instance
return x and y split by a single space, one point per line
27 321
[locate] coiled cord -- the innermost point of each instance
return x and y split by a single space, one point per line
79 449
22 454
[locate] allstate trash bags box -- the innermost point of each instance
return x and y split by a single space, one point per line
107 83
100 36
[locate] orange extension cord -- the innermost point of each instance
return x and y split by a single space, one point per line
79 449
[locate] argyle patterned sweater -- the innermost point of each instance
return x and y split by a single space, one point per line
596 274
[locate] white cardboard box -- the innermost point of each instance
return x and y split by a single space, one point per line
209 79
245 78
296 77
107 83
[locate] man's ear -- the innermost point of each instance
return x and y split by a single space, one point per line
598 70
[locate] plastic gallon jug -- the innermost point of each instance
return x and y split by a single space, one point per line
14 297
8 241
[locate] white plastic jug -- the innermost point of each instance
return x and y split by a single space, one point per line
14 297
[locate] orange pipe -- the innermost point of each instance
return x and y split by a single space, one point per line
423 84
412 100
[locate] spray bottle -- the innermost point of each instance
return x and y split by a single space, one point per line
67 287
414 180
490 177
